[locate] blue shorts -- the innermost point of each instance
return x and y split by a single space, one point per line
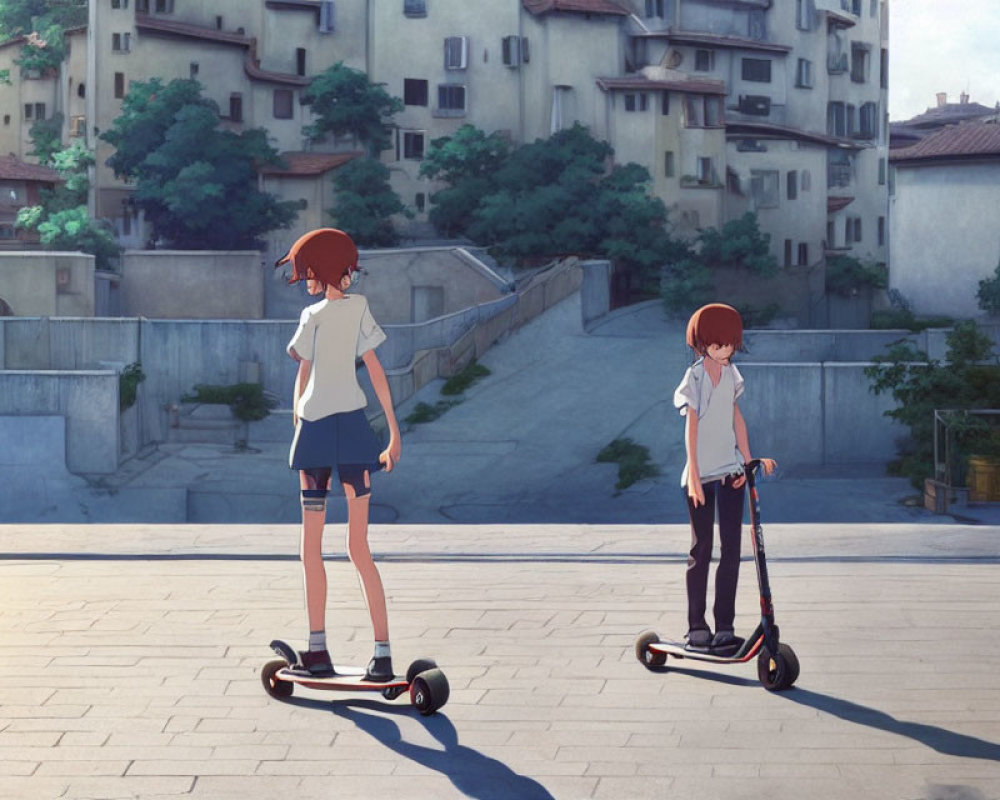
345 439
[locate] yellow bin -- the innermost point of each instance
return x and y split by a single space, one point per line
984 479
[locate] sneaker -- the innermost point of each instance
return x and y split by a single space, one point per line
726 640
698 639
380 670
316 662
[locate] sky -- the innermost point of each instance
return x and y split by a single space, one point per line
942 46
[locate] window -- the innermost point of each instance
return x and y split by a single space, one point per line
873 9
859 63
654 8
856 7
852 230
836 119
218 23
839 171
664 103
164 6
193 70
668 164
413 144
451 99
120 42
706 172
236 107
831 235
415 8
803 254
29 111
81 90
792 184
788 252
142 6
39 111
119 85
881 231
119 3
757 70
881 171
704 60
806 180
515 50
300 61
414 92
852 120
804 14
804 74
764 188
702 111
420 201
883 69
6 119
327 17
636 102
868 119
456 52
282 103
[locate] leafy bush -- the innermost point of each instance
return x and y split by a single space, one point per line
632 459
247 400
988 293
920 386
896 318
686 285
128 385
846 275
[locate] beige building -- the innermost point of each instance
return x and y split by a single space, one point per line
776 108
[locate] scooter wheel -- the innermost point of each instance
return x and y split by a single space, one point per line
429 691
274 687
418 666
779 670
648 658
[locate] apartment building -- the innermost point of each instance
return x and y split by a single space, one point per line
771 106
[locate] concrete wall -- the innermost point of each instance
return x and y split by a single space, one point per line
47 283
87 399
945 231
192 284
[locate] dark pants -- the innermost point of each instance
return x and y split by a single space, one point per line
730 503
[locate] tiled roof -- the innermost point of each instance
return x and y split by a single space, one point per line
968 140
309 164
950 114
539 7
712 40
835 204
184 30
13 169
639 84
742 128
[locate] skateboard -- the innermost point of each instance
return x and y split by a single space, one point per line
426 684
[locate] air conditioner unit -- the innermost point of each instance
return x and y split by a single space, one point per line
755 105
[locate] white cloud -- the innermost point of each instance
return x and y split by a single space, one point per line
942 47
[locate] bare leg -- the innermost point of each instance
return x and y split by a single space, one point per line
313 569
360 555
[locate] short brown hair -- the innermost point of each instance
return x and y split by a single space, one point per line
715 323
327 253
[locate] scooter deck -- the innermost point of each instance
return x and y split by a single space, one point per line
351 679
729 655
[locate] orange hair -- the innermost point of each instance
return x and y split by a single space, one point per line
326 253
715 323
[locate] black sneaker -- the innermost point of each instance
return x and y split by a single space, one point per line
698 639
726 642
380 670
316 663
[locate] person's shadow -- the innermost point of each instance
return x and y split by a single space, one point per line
940 739
474 774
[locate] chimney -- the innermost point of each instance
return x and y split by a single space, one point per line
964 98
942 99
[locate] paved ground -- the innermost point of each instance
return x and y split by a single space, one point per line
132 656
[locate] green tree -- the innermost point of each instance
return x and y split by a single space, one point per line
467 161
738 243
19 17
988 293
919 385
196 183
345 102
46 137
365 203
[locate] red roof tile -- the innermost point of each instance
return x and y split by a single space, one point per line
712 40
640 84
309 164
13 169
539 7
968 140
835 204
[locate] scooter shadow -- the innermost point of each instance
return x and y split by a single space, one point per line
718 677
474 774
940 739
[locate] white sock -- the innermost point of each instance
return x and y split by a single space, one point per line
317 640
382 650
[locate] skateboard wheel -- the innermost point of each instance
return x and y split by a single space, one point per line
418 666
647 657
276 688
777 671
429 691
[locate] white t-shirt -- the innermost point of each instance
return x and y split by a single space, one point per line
331 335
718 455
